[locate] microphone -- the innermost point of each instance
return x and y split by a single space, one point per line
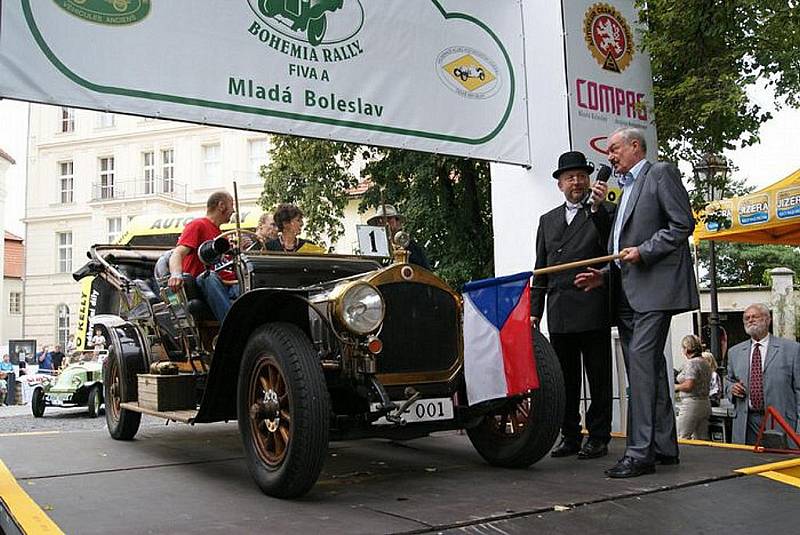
604 173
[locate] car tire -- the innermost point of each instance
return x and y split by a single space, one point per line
118 386
523 432
283 410
37 403
93 402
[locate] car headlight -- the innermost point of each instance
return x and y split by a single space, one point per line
358 306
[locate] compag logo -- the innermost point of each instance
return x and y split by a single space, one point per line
108 12
316 22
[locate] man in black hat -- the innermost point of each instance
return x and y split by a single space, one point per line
578 321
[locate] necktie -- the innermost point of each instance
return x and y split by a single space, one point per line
756 380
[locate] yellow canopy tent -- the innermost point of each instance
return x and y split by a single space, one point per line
769 215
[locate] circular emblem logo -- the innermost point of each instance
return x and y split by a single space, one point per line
468 72
608 37
108 12
316 22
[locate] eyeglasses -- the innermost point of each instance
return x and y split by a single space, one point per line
576 177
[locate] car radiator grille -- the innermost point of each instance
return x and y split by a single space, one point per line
421 330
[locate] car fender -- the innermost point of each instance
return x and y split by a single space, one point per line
127 341
249 312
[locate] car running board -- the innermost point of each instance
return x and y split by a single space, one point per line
184 416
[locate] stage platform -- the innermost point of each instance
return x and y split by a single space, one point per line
178 479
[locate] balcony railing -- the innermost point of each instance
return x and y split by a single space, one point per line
140 188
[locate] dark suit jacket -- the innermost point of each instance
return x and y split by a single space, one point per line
658 220
570 309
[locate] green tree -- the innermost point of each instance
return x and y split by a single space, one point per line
447 204
445 200
740 264
704 55
315 175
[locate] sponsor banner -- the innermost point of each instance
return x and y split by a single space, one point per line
722 209
609 83
432 75
754 209
787 205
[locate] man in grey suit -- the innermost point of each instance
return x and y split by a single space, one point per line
578 321
652 281
763 371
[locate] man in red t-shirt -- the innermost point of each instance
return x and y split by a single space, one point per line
218 291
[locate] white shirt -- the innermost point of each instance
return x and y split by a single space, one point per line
631 175
571 211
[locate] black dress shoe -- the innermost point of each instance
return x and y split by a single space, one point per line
667 459
630 467
566 449
592 450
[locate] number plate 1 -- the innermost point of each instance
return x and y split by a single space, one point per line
422 410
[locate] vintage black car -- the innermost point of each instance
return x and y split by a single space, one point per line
317 348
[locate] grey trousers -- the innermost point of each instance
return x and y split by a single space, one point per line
651 418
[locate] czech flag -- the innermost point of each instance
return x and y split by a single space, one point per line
498 348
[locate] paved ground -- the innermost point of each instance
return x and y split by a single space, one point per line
20 419
181 479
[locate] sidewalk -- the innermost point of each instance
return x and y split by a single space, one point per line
7 411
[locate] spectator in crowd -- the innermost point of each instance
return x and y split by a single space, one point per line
219 289
70 349
715 388
693 384
387 215
45 359
57 356
6 379
98 341
652 280
763 371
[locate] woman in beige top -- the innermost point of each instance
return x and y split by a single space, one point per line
693 384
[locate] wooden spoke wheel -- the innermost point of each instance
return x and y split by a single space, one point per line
283 410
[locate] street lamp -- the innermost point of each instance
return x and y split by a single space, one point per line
710 174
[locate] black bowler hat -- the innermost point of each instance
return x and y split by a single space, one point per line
573 160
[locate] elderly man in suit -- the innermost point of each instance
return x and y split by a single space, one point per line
577 321
652 281
762 371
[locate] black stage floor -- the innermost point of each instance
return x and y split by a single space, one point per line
178 479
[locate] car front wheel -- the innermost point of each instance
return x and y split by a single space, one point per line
283 410
95 399
523 431
37 403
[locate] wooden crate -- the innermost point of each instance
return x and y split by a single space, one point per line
167 392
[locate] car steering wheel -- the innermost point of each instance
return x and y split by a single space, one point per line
233 237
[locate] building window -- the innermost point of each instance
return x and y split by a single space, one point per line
257 154
66 182
168 169
107 178
106 120
211 163
149 172
114 225
62 311
64 241
67 120
15 303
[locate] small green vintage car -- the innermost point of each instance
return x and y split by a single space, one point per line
80 384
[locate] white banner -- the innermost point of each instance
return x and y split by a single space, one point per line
431 75
609 81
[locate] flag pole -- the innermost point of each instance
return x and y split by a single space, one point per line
580 263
